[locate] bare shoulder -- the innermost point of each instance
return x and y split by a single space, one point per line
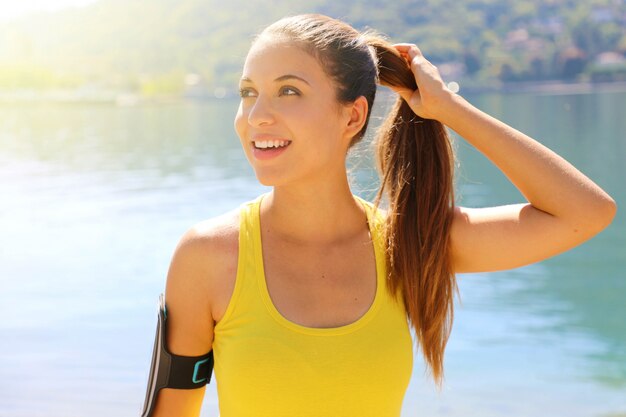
203 266
210 249
214 237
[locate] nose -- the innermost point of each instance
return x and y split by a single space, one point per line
261 112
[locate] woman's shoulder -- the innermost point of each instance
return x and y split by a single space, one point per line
205 261
214 236
217 236
207 248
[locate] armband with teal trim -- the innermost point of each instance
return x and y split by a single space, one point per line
168 370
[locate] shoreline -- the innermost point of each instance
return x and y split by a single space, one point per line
550 87
124 99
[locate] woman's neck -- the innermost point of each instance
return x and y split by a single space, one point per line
323 216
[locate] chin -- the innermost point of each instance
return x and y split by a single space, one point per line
270 180
265 182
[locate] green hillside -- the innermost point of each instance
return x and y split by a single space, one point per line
166 47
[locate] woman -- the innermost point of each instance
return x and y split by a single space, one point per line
306 294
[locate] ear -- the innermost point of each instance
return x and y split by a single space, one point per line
355 116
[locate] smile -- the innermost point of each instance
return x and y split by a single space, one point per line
263 150
262 144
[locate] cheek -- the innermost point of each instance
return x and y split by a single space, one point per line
325 126
240 123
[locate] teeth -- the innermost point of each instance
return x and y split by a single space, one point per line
270 143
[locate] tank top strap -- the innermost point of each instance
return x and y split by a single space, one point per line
376 218
247 220
247 229
245 289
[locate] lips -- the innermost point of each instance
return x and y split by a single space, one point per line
268 153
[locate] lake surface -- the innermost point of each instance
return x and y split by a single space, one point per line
93 200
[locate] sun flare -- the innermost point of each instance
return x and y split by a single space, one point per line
10 9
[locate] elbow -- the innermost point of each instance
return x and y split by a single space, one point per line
612 210
604 214
592 220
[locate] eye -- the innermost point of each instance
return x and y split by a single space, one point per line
245 92
286 91
289 91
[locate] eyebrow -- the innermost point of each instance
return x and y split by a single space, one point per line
282 78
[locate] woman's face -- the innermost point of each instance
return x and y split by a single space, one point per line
287 97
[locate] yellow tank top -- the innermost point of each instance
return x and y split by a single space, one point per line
268 366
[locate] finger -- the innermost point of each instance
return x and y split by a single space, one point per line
404 47
413 56
418 61
409 49
404 92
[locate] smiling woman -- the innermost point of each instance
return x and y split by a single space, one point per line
306 294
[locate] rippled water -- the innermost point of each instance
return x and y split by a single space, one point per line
94 199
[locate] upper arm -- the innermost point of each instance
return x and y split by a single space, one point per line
190 328
190 323
505 237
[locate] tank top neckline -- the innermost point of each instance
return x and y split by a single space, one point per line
320 331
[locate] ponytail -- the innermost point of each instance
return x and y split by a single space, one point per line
415 162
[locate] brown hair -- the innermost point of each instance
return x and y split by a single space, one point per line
415 161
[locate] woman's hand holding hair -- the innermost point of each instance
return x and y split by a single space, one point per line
564 207
429 99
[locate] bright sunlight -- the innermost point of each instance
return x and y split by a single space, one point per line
10 9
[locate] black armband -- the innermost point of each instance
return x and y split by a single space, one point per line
168 370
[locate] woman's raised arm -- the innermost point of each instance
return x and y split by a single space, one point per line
564 209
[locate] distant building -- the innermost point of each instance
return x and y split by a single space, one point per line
608 67
609 58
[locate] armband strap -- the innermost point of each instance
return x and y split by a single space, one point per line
168 370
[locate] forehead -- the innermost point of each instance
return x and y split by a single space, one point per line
271 58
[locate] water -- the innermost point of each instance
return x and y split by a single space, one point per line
93 200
